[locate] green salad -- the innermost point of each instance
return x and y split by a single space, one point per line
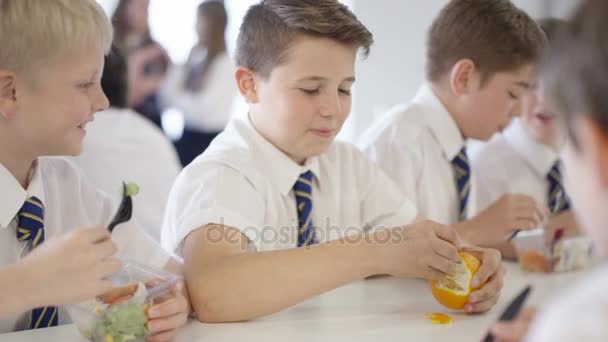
121 323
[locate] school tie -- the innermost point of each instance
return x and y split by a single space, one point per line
557 198
31 228
462 177
303 192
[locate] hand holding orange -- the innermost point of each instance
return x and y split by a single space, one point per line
453 290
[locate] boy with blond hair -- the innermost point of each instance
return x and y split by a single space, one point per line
275 211
480 61
51 62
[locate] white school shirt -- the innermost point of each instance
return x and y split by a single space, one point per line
579 314
415 144
121 145
512 163
70 203
208 110
245 182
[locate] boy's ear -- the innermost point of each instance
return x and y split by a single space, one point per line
463 77
7 94
245 80
594 139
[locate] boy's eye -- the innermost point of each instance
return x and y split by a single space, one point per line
344 91
513 96
310 91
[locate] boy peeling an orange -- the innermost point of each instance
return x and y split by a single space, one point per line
453 290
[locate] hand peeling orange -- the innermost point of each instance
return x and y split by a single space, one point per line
453 290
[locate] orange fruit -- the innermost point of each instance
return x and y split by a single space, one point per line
439 318
453 290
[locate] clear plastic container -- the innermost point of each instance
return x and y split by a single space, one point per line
572 254
120 315
535 253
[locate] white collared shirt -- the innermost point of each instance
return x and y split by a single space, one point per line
578 314
121 145
512 163
70 203
245 182
415 145
209 109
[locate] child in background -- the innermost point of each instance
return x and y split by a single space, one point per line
575 76
481 57
525 160
121 145
203 89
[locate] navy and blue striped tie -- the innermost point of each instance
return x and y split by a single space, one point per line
556 199
303 192
462 177
31 228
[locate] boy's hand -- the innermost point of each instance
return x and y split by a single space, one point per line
168 316
509 213
490 276
424 249
73 267
516 330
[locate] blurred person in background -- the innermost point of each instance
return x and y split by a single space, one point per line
204 88
149 61
121 145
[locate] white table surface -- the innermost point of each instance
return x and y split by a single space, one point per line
384 309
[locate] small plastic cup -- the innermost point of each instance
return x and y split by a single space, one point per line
533 253
120 315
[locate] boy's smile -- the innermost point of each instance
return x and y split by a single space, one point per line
54 108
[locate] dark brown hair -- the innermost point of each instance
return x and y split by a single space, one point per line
270 27
121 25
214 14
494 34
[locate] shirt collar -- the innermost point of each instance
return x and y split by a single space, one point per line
276 164
539 156
440 121
13 194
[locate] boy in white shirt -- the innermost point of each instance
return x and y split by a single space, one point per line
576 79
50 68
122 145
524 159
276 180
480 60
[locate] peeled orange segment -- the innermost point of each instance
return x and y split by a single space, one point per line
439 318
453 290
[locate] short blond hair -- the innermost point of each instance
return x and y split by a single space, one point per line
33 32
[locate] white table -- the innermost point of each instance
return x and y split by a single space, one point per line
385 309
